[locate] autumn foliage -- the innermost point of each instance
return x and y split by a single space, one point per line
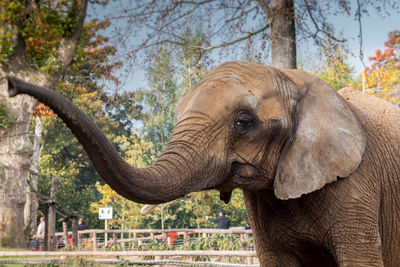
42 110
382 77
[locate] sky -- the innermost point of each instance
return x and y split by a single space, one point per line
375 33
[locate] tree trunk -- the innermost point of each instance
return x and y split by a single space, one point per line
15 153
283 33
46 229
32 204
51 226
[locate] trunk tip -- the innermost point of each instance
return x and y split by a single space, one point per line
12 86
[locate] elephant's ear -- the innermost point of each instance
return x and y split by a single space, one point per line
328 140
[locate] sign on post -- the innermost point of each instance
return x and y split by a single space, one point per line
105 213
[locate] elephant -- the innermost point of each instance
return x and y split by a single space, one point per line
319 169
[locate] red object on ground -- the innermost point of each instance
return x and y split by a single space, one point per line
172 236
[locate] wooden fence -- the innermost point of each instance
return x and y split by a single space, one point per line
103 238
108 254
169 258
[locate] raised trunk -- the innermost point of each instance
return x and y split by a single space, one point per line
163 181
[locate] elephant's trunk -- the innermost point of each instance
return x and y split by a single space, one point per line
163 181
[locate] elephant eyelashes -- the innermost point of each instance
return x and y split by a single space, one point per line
243 122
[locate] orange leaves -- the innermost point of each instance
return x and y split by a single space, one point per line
380 57
377 57
393 40
42 111
382 78
388 53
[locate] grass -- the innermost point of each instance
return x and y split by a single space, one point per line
12 264
11 249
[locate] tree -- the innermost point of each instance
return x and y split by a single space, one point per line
32 201
382 77
273 27
281 17
333 68
38 40
164 21
173 73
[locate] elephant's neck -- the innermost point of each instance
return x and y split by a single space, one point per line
264 201
268 215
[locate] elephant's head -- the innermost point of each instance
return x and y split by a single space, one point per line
244 125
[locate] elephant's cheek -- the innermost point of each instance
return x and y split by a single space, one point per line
246 172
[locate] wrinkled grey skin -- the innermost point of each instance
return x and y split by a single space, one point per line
319 170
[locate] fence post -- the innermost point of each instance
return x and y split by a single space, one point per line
65 233
158 258
94 241
114 239
46 228
186 235
75 231
152 236
105 233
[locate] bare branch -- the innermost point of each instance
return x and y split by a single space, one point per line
318 29
265 7
174 6
360 37
233 18
47 200
234 41
202 47
193 2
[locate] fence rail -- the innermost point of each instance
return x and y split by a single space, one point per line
144 262
108 254
134 256
149 231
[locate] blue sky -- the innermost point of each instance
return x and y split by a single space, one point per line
375 34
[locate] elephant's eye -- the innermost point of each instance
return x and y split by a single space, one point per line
243 122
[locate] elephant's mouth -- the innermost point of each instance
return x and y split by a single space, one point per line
226 186
238 175
246 176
